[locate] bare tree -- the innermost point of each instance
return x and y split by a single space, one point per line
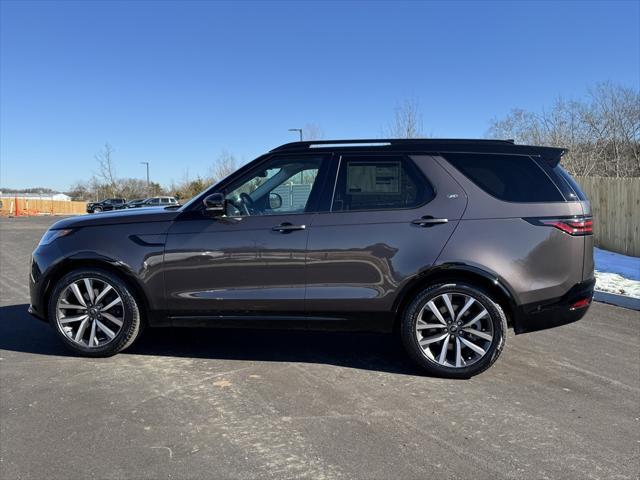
224 165
602 131
407 121
106 167
313 131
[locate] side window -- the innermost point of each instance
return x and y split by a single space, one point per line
164 200
379 183
512 178
282 185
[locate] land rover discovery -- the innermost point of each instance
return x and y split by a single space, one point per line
447 242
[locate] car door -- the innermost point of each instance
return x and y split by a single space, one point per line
390 217
251 261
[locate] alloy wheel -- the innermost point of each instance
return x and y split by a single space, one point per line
454 330
90 312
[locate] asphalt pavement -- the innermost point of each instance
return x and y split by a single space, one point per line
205 404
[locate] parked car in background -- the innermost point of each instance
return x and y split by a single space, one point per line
134 203
159 202
106 205
447 242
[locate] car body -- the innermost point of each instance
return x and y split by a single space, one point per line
135 203
106 205
446 241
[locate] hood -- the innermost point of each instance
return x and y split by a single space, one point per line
117 217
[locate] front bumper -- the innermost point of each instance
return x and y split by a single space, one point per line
555 312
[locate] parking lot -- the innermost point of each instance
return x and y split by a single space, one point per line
564 403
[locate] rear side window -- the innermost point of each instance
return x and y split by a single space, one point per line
512 178
379 183
570 180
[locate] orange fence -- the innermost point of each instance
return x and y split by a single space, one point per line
36 206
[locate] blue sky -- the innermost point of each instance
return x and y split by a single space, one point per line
174 83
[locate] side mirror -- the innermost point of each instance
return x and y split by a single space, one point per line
275 201
215 204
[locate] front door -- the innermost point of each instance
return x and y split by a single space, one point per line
251 261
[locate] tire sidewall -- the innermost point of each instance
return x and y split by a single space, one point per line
131 322
410 339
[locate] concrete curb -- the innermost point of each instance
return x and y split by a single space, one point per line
618 300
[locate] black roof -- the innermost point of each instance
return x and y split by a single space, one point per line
432 145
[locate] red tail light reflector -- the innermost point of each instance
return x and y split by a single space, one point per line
576 226
582 303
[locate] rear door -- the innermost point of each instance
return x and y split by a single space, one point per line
390 216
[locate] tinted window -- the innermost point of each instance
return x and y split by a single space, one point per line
379 183
512 178
570 180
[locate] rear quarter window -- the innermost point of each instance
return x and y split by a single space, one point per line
512 178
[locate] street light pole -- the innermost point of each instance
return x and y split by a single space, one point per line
299 130
147 164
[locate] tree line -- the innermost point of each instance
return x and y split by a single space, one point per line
601 132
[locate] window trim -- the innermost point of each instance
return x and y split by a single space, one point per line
406 158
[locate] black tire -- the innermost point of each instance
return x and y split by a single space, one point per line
97 210
132 324
410 339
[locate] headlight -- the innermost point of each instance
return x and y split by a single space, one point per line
51 235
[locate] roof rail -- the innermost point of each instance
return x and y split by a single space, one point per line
381 142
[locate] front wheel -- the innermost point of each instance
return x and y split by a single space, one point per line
97 210
94 313
454 330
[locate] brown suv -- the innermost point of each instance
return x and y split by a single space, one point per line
447 241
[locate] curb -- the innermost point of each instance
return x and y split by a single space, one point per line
618 300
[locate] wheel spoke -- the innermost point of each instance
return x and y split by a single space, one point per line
69 306
89 287
78 295
443 352
436 312
110 333
479 316
470 301
447 301
112 304
435 338
422 325
92 335
473 346
81 329
458 353
73 319
478 333
101 295
111 318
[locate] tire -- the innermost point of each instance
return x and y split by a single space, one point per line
116 314
421 326
97 210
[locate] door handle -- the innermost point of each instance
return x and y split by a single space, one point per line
429 221
288 227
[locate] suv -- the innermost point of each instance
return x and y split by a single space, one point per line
448 242
159 202
106 205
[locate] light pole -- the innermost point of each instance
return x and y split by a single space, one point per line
147 164
299 130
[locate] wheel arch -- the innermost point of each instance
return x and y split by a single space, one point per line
496 287
77 263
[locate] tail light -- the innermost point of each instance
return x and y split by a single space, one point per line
576 226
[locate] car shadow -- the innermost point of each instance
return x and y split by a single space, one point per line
20 332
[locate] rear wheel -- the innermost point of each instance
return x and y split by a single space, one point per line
454 330
94 313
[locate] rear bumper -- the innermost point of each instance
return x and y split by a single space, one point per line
555 312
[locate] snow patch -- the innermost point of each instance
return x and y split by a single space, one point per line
616 273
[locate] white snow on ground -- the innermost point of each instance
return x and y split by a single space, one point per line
616 273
